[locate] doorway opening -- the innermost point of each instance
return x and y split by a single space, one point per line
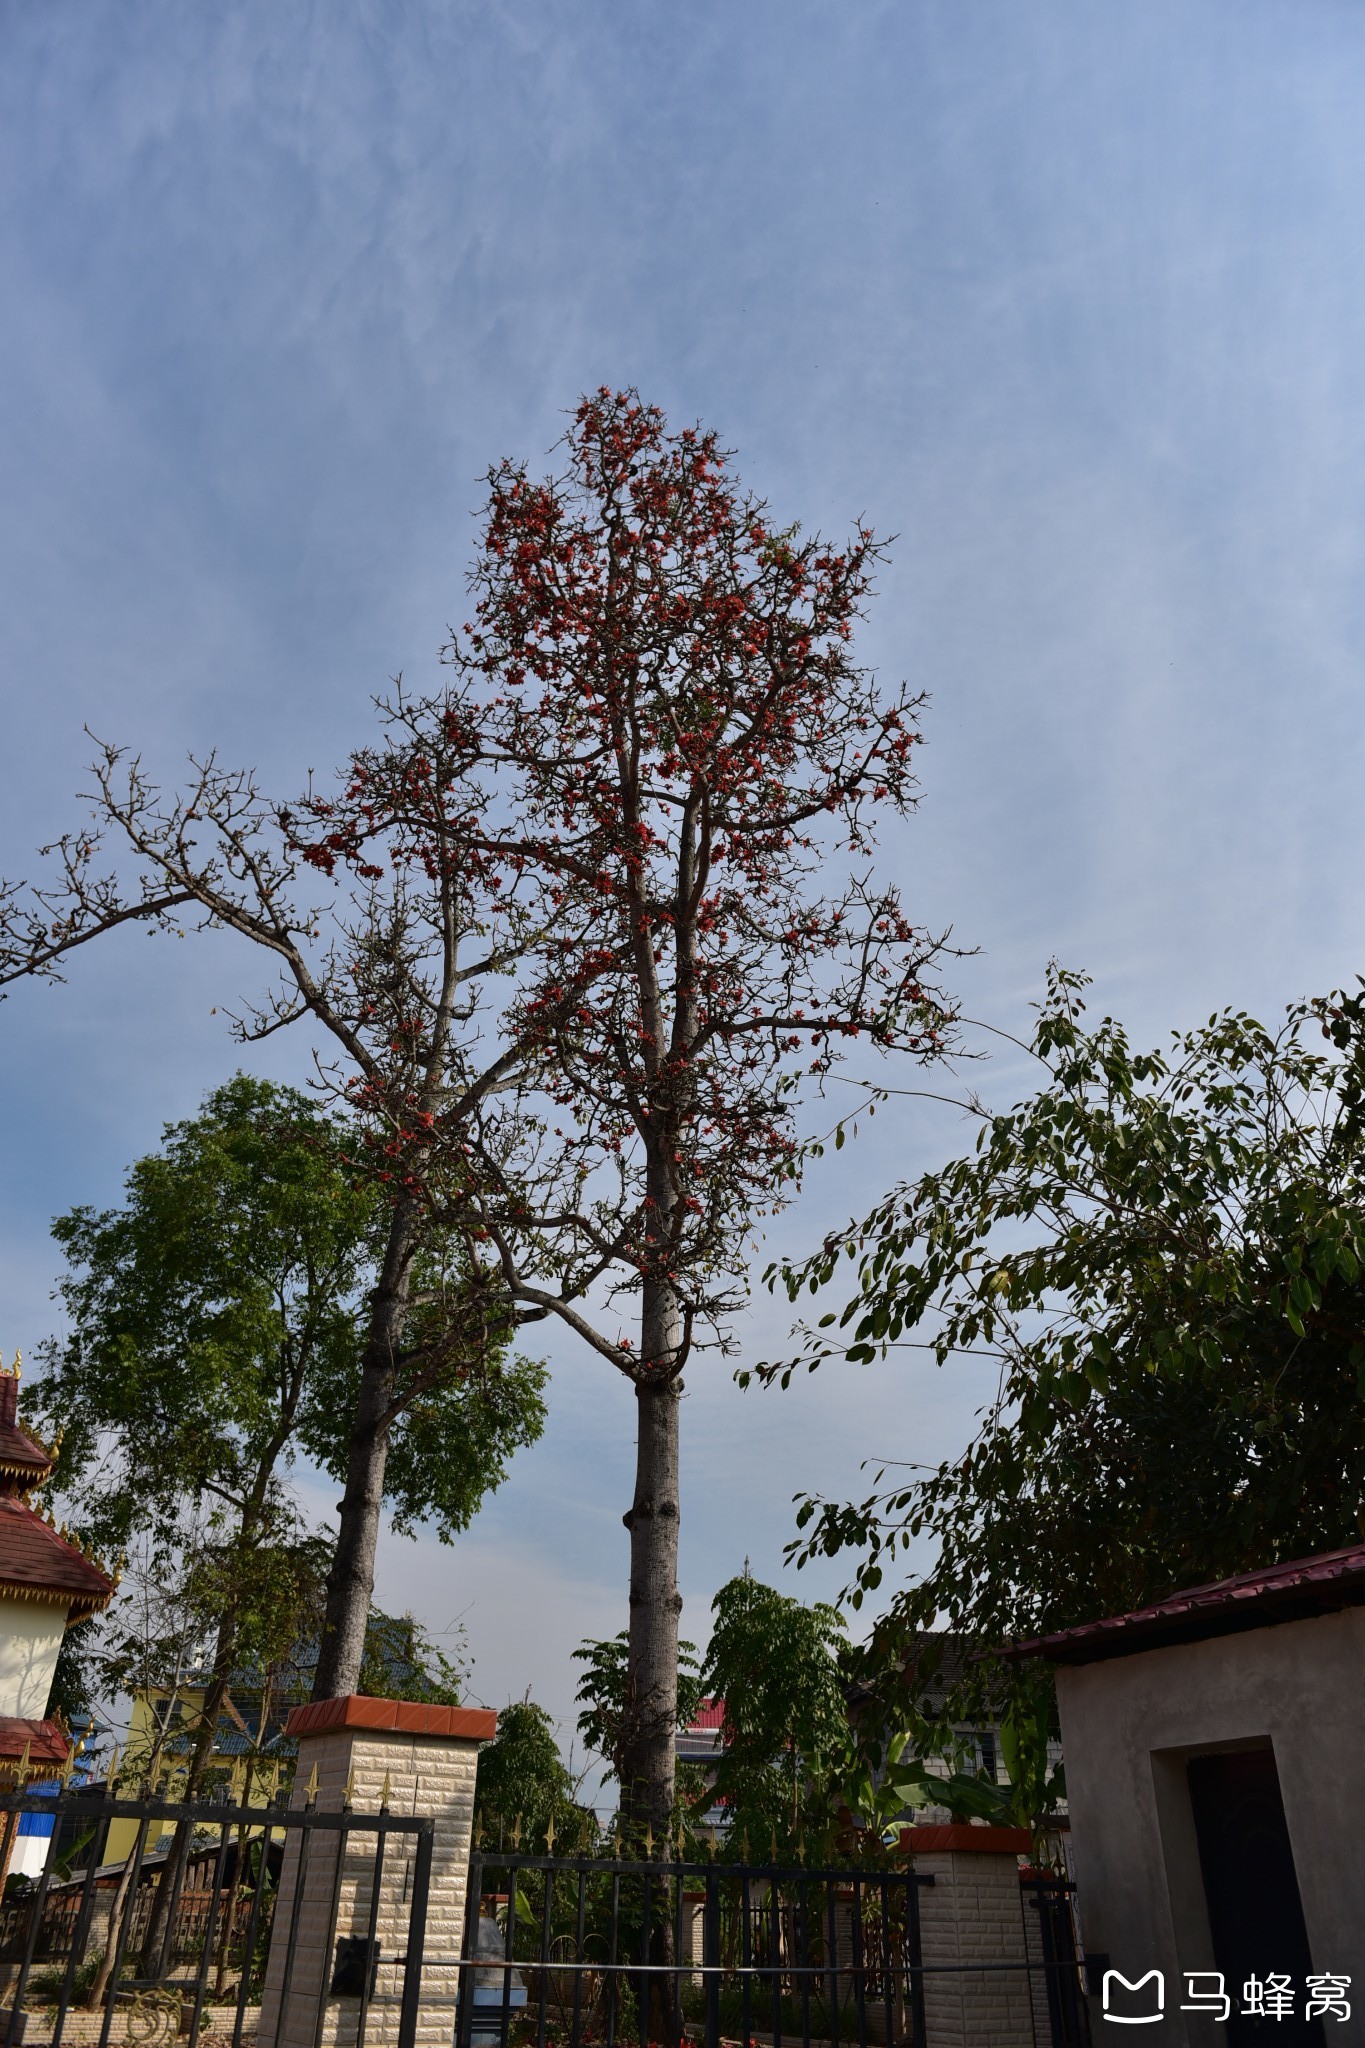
1251 1888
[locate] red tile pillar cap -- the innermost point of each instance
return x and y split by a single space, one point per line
397 1717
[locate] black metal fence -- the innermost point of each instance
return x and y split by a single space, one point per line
573 1952
1051 1941
231 1937
72 1947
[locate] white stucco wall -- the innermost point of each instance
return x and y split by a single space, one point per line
30 1637
1129 1725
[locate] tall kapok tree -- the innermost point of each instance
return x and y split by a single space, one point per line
689 748
384 917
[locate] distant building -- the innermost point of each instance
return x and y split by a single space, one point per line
700 1744
47 1582
933 1667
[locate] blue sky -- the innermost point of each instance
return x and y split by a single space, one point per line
1069 298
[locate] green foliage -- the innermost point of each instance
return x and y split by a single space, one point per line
1163 1251
217 1324
779 1667
604 1688
205 1311
401 1662
452 1441
522 1778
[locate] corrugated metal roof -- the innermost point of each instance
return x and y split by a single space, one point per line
1279 1592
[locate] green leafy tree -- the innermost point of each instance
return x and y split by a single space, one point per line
1163 1251
780 1668
217 1332
403 1662
605 1695
524 1785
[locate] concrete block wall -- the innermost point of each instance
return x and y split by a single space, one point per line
429 1756
972 1914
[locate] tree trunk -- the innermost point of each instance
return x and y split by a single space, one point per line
647 1759
350 1583
157 1942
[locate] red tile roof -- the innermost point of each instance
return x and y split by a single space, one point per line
37 1563
44 1740
1279 1592
401 1717
21 1458
710 1714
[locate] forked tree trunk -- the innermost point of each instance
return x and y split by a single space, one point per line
350 1583
647 1753
158 1940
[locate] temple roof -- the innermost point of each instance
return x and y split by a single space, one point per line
23 1461
44 1740
36 1563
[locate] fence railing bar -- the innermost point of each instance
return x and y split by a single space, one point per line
36 1910
860 1976
210 1934
324 1974
212 1812
543 1987
746 1950
252 1931
580 1917
291 1937
465 1977
80 1936
832 1957
1022 1967
417 1925
121 1935
612 1959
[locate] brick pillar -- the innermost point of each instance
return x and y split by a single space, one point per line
429 1755
972 1914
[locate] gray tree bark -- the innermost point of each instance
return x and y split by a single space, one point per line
350 1583
648 1755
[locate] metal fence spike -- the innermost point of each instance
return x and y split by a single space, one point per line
384 1794
550 1836
311 1794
